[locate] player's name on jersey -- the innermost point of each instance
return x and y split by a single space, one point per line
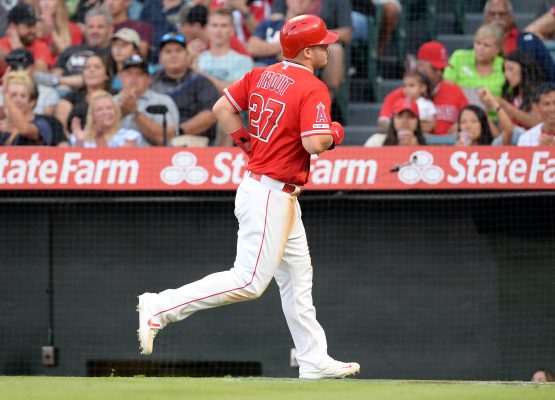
275 82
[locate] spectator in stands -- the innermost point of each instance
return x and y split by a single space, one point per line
480 67
163 15
475 127
417 86
134 99
96 76
120 16
503 130
4 10
404 128
22 59
447 97
174 59
21 33
20 125
543 134
102 127
264 45
193 22
82 8
500 12
543 27
220 64
543 375
54 26
246 15
391 9
98 32
522 77
125 43
337 16
193 93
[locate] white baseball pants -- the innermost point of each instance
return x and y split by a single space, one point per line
271 244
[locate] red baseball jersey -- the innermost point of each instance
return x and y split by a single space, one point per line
448 99
285 103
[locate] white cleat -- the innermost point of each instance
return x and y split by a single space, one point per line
337 370
148 328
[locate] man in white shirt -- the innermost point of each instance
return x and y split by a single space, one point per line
542 134
134 99
221 64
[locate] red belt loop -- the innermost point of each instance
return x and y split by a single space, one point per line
293 190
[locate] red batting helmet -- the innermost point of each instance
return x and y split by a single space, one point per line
304 31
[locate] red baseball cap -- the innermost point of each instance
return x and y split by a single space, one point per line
435 53
405 104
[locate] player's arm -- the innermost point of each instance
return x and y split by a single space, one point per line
317 144
231 123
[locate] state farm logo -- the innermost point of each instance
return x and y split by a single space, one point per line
184 168
420 168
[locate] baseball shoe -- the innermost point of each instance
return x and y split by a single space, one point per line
336 370
148 325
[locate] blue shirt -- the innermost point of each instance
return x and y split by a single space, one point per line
268 30
163 21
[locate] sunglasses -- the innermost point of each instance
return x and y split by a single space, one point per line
173 37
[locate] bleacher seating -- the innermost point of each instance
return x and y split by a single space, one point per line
454 29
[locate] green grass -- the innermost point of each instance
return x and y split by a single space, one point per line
139 388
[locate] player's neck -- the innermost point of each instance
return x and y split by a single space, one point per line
306 64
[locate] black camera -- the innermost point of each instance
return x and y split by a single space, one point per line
19 59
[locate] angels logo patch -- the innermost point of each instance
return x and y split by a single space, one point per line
321 113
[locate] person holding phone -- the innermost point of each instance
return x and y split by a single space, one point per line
404 128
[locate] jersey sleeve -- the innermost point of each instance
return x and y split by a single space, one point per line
238 92
315 113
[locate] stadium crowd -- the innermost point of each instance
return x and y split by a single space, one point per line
113 73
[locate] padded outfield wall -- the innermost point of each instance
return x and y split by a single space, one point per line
416 285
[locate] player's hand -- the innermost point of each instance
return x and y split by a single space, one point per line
242 139
337 132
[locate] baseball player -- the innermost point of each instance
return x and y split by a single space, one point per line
289 119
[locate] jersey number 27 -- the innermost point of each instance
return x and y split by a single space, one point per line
264 116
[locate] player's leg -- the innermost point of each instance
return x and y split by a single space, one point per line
294 278
265 219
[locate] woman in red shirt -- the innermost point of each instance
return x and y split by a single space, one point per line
54 26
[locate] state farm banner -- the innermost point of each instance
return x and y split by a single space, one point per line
386 168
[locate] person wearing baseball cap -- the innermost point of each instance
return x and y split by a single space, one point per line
174 60
193 93
404 127
21 33
448 98
125 43
135 99
127 35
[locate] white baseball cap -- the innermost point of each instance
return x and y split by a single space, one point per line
128 35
